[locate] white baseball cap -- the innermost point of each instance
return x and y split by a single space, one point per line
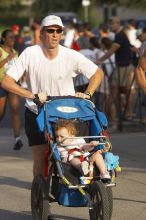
52 20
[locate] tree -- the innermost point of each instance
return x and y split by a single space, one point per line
8 3
46 6
129 3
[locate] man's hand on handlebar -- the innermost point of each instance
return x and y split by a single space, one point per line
82 95
40 98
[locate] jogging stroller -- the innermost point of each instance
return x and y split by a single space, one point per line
62 182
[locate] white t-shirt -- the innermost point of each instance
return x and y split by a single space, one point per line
133 38
54 77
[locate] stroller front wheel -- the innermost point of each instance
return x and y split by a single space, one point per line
110 200
99 198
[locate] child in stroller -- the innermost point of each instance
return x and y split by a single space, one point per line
75 151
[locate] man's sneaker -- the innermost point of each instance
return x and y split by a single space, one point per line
85 167
18 145
105 177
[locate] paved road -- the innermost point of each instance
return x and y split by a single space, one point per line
129 194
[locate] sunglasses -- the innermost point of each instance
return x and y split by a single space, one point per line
52 31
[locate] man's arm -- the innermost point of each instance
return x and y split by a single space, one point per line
9 84
110 52
140 73
95 81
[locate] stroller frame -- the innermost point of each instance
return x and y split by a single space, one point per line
41 195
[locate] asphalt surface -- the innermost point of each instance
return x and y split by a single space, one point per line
129 193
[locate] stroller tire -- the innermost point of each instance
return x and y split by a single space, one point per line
39 199
110 200
99 198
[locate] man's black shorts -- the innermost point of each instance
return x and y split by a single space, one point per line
35 137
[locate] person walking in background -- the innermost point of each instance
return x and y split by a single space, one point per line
70 35
49 68
122 79
104 31
7 57
140 72
104 92
141 68
131 31
18 45
80 80
35 26
141 35
26 36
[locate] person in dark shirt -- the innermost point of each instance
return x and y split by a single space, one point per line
123 54
122 78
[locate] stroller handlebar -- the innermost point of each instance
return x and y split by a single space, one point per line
49 98
62 97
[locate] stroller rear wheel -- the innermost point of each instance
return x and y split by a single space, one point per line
99 198
39 199
110 200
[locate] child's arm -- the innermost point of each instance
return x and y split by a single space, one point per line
90 146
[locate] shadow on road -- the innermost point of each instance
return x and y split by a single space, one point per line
7 215
14 182
66 217
129 200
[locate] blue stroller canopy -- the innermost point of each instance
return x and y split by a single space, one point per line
71 108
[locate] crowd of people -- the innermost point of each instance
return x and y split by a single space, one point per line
72 65
116 49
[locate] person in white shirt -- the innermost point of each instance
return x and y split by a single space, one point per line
70 34
49 68
131 32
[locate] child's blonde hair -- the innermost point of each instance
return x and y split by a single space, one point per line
69 125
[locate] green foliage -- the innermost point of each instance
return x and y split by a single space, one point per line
130 3
8 3
46 6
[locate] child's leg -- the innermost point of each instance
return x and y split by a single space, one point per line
81 166
97 158
100 163
76 163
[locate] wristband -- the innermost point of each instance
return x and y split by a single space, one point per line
36 96
36 99
89 93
